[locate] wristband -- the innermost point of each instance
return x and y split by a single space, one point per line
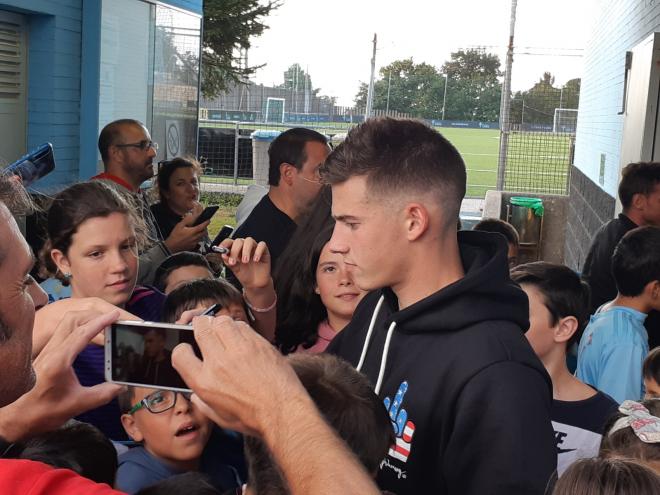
259 310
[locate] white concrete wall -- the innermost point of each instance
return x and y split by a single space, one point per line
620 25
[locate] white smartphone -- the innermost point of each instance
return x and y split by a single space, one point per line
139 353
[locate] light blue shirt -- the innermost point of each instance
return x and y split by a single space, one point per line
612 350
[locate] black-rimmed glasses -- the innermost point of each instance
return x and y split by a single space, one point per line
143 145
159 401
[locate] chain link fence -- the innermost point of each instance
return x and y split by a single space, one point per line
539 137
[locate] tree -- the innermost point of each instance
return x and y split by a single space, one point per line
468 65
570 98
406 87
537 105
473 86
228 27
297 79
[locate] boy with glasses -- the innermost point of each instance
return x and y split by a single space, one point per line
173 434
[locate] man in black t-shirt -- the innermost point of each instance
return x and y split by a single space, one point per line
639 192
295 157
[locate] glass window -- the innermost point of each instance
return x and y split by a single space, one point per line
126 80
150 71
176 81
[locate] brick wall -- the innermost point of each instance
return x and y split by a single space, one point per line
589 207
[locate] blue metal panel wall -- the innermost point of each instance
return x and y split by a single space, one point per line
191 5
89 83
54 42
63 83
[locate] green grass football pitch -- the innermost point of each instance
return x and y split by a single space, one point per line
536 162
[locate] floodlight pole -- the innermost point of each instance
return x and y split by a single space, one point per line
389 82
505 102
370 92
444 98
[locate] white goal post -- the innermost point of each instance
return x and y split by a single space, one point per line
275 109
565 120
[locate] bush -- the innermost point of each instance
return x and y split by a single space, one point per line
222 199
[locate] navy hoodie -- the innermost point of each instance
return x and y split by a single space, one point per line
468 398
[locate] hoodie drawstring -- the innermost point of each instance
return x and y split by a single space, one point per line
386 347
367 339
383 359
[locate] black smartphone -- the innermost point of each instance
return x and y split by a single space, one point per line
139 353
225 232
33 166
208 212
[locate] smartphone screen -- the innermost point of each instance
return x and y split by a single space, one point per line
33 166
140 354
208 212
225 231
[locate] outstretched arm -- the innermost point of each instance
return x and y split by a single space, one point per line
244 384
249 261
57 395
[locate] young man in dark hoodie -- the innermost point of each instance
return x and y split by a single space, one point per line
441 335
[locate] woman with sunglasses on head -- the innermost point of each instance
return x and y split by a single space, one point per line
178 190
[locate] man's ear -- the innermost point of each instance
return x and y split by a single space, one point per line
131 427
114 153
417 220
653 290
60 259
638 201
287 173
566 328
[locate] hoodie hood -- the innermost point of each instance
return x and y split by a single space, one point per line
486 292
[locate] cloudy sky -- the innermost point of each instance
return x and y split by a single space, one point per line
333 38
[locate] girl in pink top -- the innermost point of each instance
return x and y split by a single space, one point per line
315 291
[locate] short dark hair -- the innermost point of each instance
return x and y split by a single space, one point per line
190 294
289 147
636 260
599 476
168 167
191 483
125 399
651 366
401 155
625 443
111 133
638 178
564 294
175 261
77 446
501 227
348 403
